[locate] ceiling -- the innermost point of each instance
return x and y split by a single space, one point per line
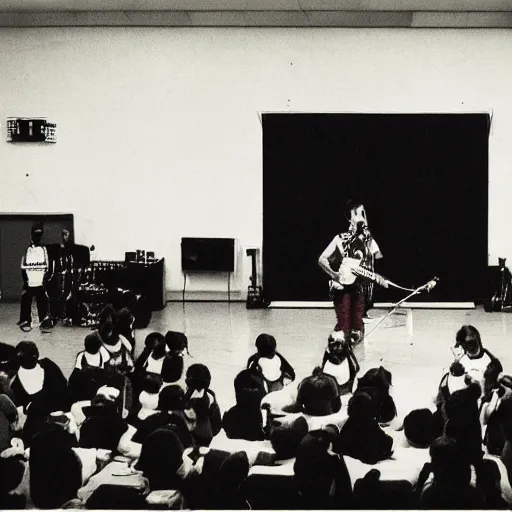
259 13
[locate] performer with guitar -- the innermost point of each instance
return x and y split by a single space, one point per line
349 260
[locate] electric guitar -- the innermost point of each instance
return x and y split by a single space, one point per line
350 270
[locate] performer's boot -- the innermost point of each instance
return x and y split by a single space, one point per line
356 337
338 336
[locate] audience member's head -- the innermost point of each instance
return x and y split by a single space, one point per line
176 341
124 321
419 428
249 389
106 325
160 458
156 341
491 377
150 387
266 345
361 406
27 354
285 440
171 398
103 401
319 395
377 383
448 464
92 344
456 378
469 339
198 377
172 368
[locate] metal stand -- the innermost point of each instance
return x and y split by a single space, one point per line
395 307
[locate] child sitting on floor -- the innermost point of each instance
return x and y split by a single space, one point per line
275 370
340 362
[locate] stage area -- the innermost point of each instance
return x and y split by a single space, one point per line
222 336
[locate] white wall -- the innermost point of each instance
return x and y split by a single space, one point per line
159 134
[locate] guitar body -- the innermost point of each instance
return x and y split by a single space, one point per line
347 271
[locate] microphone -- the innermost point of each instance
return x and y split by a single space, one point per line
430 285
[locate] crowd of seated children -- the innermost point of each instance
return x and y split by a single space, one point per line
313 444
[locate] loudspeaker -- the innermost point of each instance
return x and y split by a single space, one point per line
208 254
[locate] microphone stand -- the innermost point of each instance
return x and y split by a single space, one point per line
394 307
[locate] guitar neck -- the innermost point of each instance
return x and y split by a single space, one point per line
363 272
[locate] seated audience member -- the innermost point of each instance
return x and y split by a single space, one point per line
475 358
285 440
463 422
57 469
244 420
361 437
177 343
275 370
211 479
114 496
39 388
103 425
270 481
321 476
373 493
117 346
377 383
340 362
95 355
318 400
77 409
418 430
201 399
495 476
228 491
13 495
8 422
171 414
8 361
160 458
150 362
454 380
172 371
89 373
446 481
493 435
124 326
153 355
148 399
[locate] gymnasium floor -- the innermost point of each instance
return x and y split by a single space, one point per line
222 336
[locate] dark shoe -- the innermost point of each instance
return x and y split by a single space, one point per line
47 323
25 325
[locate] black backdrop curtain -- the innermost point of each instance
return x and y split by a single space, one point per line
422 177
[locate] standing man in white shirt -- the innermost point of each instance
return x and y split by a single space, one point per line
35 266
348 290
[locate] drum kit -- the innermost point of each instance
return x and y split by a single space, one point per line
85 291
